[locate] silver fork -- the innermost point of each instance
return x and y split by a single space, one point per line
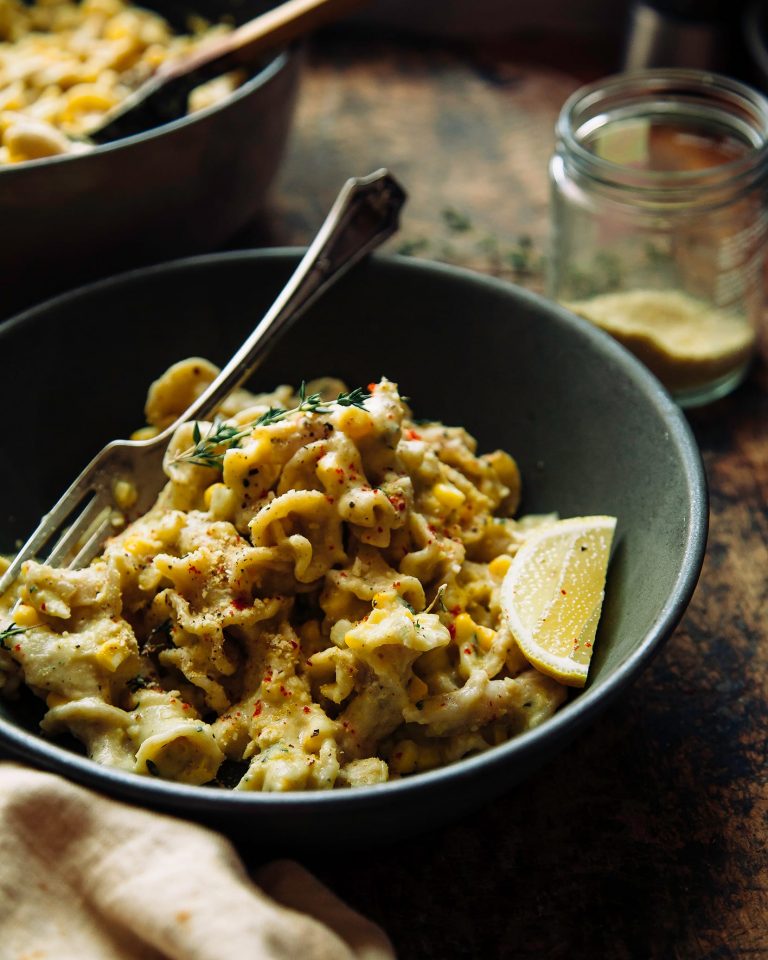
364 214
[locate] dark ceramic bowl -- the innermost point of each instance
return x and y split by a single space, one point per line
593 432
182 188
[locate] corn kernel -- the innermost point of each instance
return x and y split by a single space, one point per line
450 497
144 433
111 654
467 631
465 627
124 493
417 689
138 546
485 637
404 757
25 615
499 566
355 423
210 491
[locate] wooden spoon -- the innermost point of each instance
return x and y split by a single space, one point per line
163 97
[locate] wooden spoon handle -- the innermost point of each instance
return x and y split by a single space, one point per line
247 43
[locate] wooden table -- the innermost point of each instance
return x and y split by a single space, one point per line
647 839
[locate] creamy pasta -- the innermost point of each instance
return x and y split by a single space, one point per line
313 602
64 65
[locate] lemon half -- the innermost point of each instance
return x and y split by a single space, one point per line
553 593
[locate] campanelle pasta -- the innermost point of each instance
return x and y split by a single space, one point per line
313 602
64 65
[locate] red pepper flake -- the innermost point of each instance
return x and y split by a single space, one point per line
467 649
240 603
455 611
257 709
284 692
293 644
330 500
309 661
17 647
193 569
42 606
306 709
371 387
412 435
343 573
563 593
452 630
587 644
185 706
380 529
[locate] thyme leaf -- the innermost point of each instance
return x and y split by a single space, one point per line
207 450
8 633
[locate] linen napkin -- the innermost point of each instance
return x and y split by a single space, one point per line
87 878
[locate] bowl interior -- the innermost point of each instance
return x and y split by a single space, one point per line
591 430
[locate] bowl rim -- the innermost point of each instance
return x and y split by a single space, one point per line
565 723
271 68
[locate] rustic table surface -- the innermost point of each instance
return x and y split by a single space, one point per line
648 838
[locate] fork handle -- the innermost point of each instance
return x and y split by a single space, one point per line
364 214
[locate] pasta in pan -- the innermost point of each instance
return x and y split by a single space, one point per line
313 602
65 65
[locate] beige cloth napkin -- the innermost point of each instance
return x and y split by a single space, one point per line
87 878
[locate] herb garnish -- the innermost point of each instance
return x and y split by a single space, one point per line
12 631
438 598
159 638
206 451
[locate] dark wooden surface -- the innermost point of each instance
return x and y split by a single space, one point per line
647 839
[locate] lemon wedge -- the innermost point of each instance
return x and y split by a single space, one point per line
553 592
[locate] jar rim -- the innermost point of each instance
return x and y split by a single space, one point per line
684 88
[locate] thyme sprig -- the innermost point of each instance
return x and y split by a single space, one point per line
207 450
8 633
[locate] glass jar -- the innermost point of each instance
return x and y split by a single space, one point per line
659 221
